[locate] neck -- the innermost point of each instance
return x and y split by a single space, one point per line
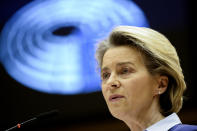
140 120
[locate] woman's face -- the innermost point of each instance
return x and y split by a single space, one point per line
127 86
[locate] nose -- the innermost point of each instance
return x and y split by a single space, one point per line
113 82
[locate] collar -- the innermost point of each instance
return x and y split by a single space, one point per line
165 124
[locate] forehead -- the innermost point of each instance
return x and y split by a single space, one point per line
122 54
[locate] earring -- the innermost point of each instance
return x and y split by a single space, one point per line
159 92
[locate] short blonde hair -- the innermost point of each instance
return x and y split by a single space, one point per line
159 57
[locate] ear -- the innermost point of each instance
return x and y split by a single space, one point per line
163 84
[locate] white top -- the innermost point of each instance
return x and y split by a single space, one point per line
165 124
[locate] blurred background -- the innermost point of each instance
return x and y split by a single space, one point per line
84 108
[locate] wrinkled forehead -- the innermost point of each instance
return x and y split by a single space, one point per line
121 54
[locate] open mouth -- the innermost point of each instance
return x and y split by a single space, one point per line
115 97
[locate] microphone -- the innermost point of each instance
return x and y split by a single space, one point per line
44 115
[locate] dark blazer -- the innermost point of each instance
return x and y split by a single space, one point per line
183 127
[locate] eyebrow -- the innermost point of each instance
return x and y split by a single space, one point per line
125 63
118 64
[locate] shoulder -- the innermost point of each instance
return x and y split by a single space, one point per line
184 127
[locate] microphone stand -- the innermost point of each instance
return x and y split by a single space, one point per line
40 116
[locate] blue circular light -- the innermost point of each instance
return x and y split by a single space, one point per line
48 45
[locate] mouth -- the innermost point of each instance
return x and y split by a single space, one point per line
116 97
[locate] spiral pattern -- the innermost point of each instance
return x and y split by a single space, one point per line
48 45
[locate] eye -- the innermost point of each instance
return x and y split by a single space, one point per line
105 75
125 70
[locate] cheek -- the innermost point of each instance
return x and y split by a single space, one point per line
139 88
103 89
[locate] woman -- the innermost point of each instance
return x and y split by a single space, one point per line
142 80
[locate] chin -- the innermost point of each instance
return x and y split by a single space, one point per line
119 114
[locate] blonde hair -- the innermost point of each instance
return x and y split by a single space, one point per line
159 57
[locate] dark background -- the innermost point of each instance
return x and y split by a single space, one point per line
173 18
